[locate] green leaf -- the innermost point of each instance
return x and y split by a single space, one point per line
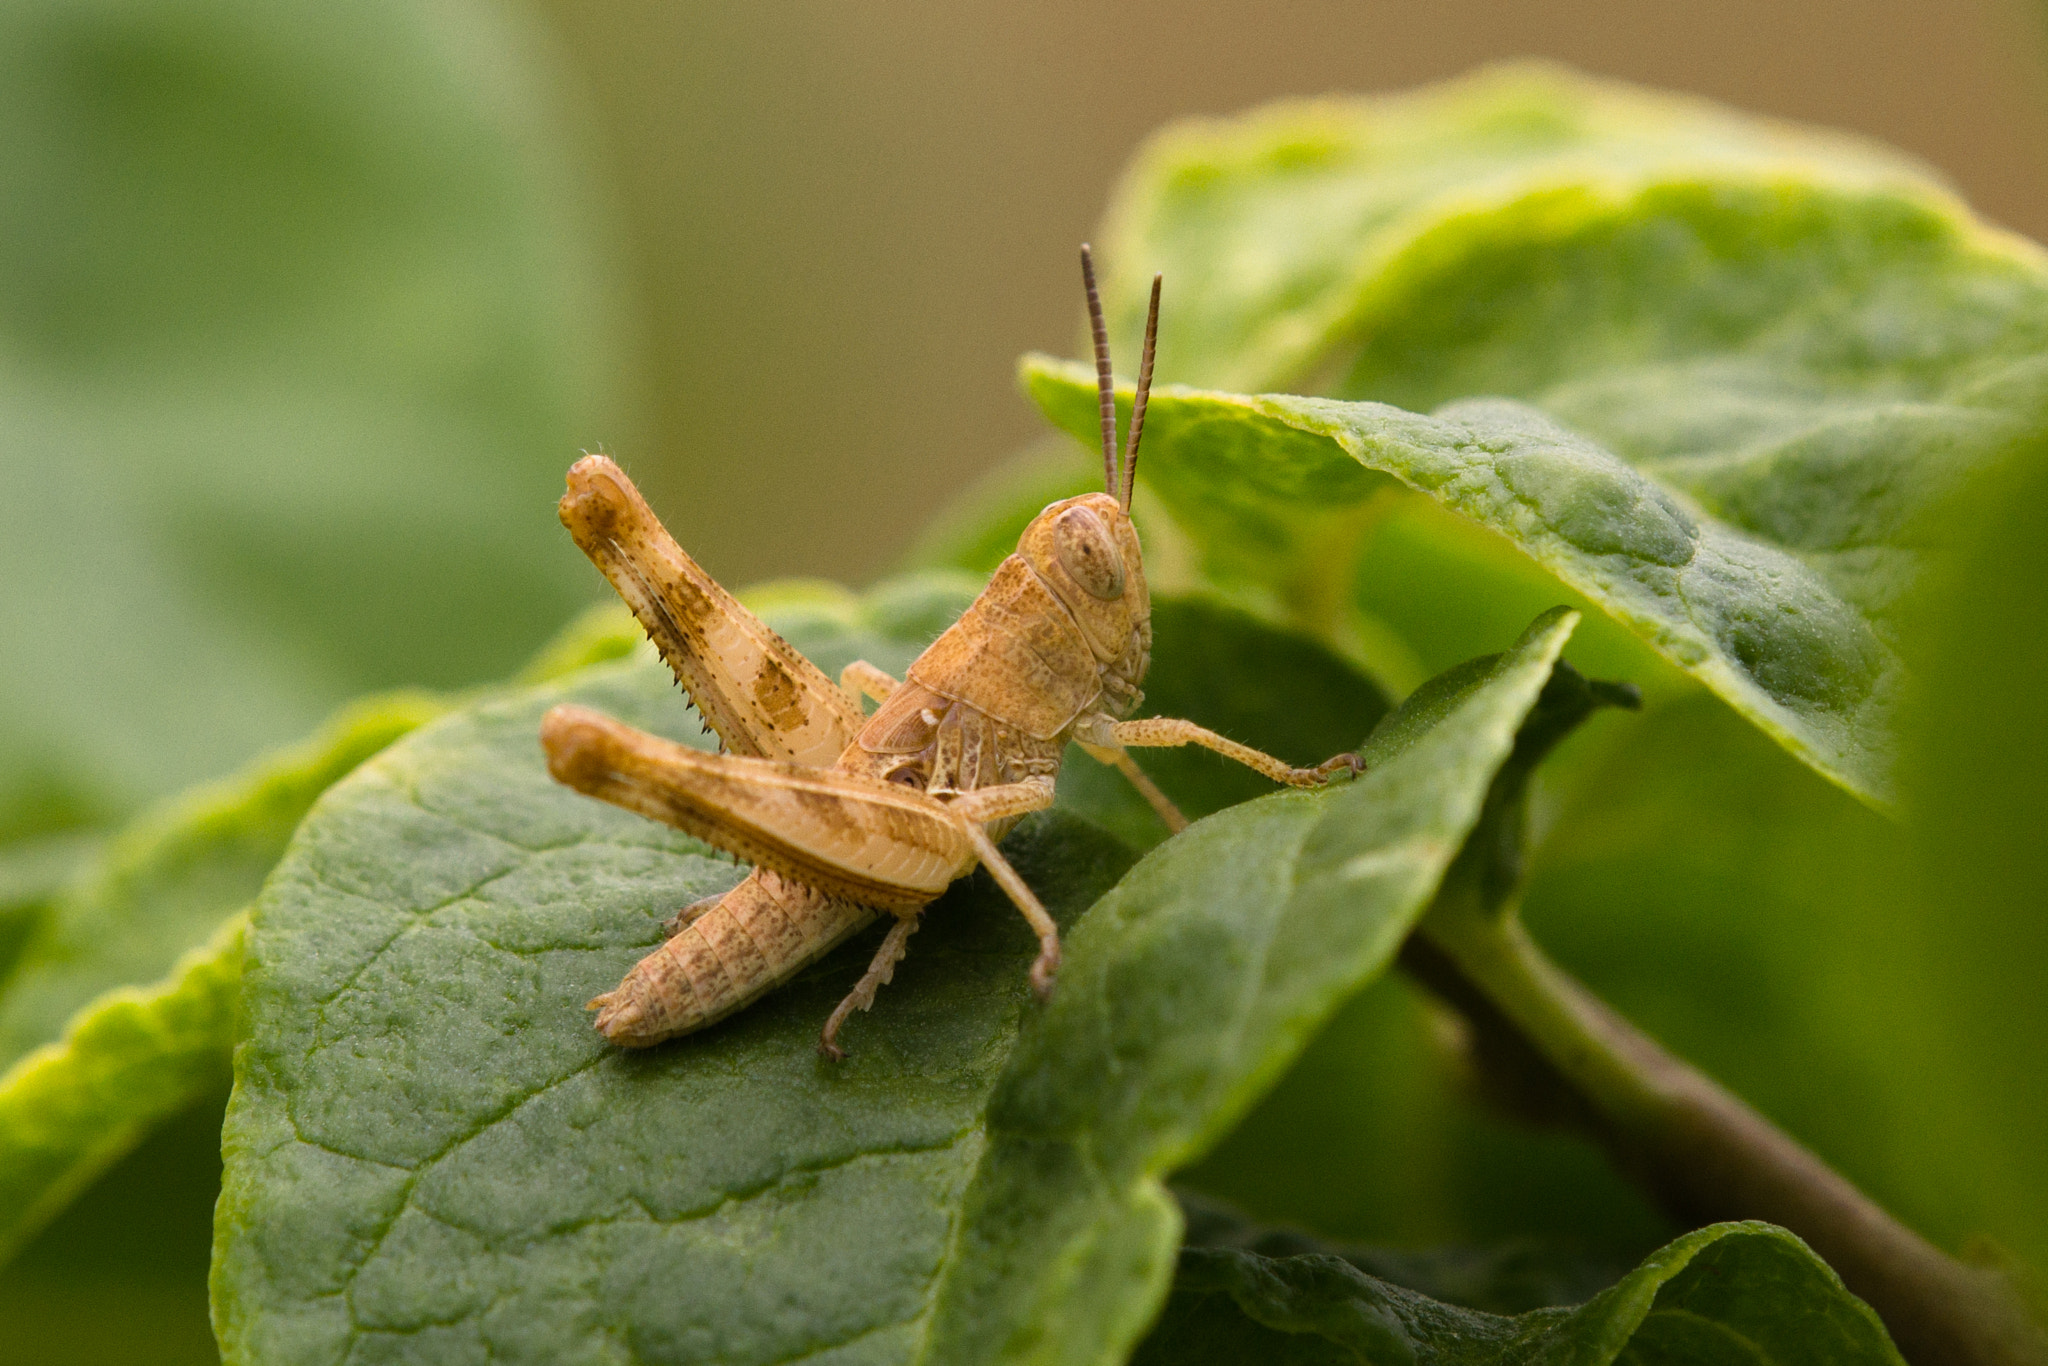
1507 1278
1775 352
425 1123
1960 916
1780 638
167 883
1761 924
120 1275
429 1151
300 330
121 1008
1730 1291
135 1057
1288 233
33 874
1186 992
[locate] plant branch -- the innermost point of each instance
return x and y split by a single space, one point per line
1703 1152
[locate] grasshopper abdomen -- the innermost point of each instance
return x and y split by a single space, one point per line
744 945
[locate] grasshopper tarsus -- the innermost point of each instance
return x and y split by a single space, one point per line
844 813
1045 972
1329 767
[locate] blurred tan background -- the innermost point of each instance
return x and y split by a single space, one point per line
843 222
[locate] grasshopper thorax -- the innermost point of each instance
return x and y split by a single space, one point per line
1064 628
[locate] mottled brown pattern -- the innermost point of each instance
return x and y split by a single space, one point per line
779 697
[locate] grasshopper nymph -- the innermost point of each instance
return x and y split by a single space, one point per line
846 816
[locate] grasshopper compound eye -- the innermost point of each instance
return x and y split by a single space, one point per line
1088 554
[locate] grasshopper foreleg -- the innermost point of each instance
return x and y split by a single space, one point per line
1163 732
1047 965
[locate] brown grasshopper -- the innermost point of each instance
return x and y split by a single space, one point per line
846 816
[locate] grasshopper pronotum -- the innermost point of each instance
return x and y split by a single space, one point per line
843 815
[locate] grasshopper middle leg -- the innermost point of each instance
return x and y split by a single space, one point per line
1001 803
883 967
1163 731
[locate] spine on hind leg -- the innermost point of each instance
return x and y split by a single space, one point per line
758 936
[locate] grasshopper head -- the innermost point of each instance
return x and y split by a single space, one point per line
1086 551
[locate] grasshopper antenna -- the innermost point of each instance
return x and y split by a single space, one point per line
1105 383
1144 392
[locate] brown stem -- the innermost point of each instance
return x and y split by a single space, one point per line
1704 1153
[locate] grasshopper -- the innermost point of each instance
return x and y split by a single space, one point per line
846 816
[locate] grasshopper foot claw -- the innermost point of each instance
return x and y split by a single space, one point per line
1044 971
1347 762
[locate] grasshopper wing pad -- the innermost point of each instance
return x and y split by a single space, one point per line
1015 655
761 696
843 834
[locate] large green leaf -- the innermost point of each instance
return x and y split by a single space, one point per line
1793 642
1778 351
1187 991
430 1152
1288 233
120 1009
1747 1292
299 327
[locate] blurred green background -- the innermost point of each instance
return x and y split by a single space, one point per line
304 310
